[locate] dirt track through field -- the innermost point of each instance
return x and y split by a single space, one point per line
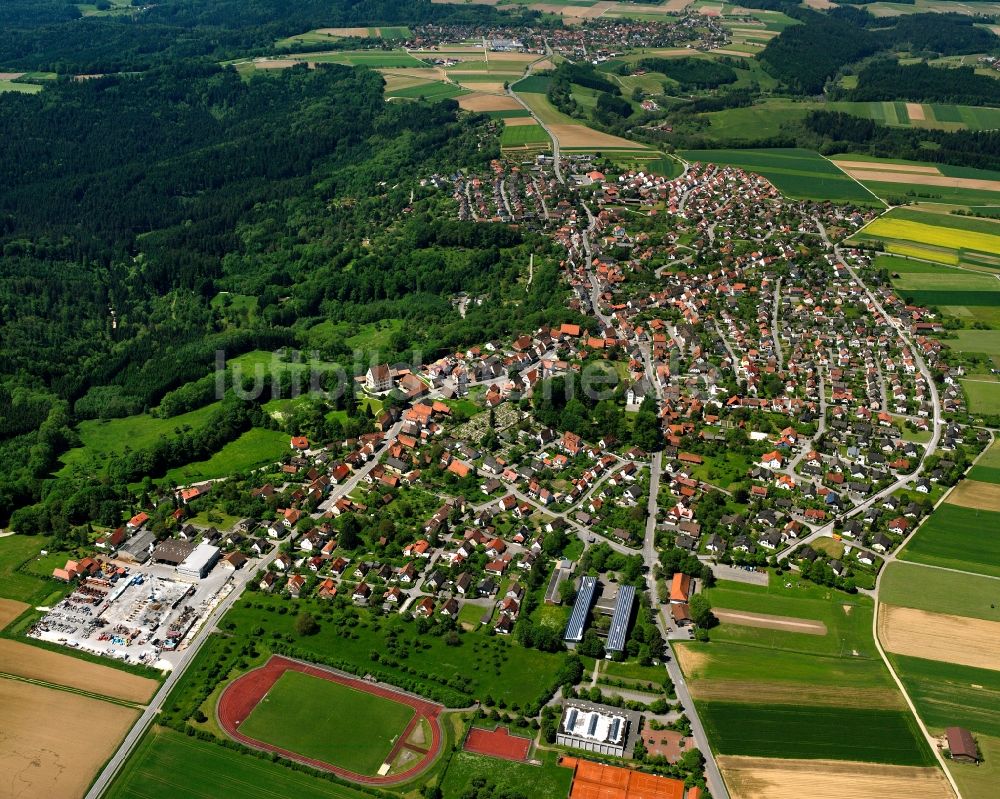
757 778
34 663
974 494
10 609
788 624
915 111
940 636
52 742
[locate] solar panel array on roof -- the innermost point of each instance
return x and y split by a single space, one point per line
578 619
620 619
592 727
570 720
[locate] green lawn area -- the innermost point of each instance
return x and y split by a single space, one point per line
102 439
984 342
16 550
911 585
966 539
24 88
520 135
947 695
306 714
795 172
544 781
979 781
847 618
982 395
987 468
788 731
256 447
724 469
634 671
169 765
800 672
480 665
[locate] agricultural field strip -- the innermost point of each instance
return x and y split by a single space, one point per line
753 778
940 636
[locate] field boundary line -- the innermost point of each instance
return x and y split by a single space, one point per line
878 642
862 185
70 690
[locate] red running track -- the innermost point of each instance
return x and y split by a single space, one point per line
243 694
497 743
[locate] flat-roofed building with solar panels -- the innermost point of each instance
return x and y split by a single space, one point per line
581 610
620 620
597 728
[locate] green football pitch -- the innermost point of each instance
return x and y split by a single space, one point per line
327 721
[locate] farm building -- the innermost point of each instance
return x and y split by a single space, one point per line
581 610
680 588
962 745
597 728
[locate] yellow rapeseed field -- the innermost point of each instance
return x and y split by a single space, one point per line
920 233
922 252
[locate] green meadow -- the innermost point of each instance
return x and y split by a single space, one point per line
912 585
790 731
796 173
966 539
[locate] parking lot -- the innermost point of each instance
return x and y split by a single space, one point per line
138 614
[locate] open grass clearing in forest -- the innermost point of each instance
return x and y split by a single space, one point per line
53 741
914 585
34 663
755 778
256 447
940 636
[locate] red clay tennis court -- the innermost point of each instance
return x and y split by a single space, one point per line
497 743
596 781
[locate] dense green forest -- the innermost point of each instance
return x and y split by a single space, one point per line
49 35
887 80
129 202
804 57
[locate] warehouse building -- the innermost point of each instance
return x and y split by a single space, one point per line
200 562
